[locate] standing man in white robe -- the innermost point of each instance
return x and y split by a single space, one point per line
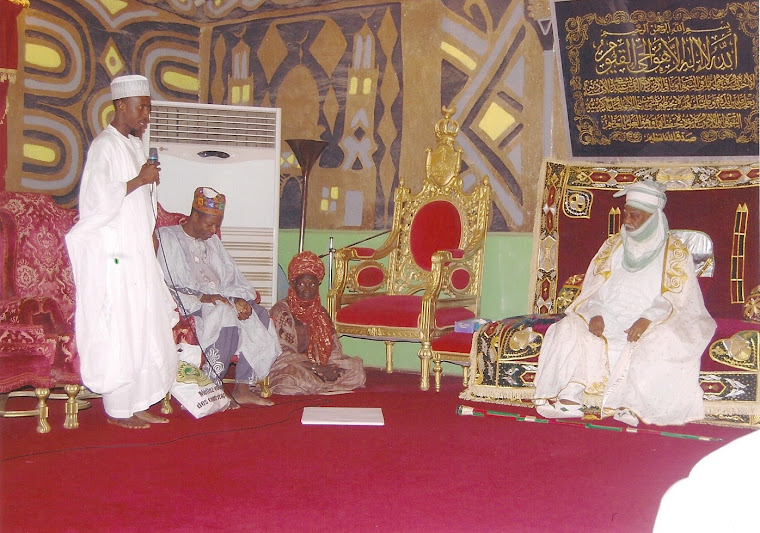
124 312
208 285
632 341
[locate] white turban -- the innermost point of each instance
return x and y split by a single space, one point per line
645 195
126 86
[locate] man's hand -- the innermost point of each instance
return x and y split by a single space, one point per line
244 309
596 326
213 299
637 330
149 173
327 373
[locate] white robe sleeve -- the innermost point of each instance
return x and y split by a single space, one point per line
177 273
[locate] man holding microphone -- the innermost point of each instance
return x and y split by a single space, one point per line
124 312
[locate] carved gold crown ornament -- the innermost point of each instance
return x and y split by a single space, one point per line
444 161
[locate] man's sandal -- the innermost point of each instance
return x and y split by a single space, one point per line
560 410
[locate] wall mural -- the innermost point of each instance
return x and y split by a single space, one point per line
487 51
336 75
336 68
72 51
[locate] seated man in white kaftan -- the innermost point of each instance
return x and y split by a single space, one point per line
207 284
631 342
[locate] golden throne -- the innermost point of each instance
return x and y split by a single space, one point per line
428 273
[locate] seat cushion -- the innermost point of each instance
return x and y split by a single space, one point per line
26 357
400 311
454 342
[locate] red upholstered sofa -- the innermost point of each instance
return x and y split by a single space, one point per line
577 213
37 345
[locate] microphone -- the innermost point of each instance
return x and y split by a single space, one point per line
152 159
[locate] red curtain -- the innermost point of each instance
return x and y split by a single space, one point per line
9 11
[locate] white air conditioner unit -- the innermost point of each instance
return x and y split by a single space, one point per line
235 150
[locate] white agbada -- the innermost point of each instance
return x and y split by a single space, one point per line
124 312
657 377
194 267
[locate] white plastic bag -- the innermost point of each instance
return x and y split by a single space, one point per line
193 388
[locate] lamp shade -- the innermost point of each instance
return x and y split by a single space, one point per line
307 152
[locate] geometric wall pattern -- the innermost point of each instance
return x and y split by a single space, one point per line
72 51
336 74
334 67
490 71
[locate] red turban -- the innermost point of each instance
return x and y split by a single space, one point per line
306 263
318 324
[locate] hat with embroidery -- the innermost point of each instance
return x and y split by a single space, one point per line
131 85
648 196
208 201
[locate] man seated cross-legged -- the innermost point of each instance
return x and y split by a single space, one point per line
631 342
312 360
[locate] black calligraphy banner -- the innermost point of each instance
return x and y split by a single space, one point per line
660 77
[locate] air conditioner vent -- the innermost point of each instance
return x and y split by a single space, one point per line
175 123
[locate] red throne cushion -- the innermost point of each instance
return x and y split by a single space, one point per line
453 342
401 311
436 226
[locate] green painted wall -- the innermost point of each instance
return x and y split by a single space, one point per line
506 285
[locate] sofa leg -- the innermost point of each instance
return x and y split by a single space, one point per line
389 357
43 426
72 406
264 390
166 405
437 371
465 375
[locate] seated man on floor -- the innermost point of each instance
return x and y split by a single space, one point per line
632 341
312 359
207 284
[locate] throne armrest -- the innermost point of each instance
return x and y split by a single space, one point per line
343 258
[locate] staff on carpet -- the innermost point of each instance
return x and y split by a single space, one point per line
207 284
124 313
632 341
312 359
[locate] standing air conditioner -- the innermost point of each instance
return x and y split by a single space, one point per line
235 150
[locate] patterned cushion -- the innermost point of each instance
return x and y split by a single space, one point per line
40 265
26 356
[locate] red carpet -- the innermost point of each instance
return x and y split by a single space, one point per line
426 470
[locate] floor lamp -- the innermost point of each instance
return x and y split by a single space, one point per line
307 152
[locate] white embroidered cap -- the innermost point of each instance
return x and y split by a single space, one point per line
648 196
131 85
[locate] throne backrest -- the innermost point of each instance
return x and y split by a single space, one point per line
35 262
441 216
578 212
